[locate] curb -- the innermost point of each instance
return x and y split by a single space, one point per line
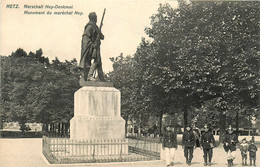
110 164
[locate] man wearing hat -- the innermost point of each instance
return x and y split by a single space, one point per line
188 142
208 143
252 152
169 143
229 144
90 49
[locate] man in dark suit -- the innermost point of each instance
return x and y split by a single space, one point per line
207 143
188 142
229 144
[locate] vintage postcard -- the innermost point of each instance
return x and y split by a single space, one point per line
144 83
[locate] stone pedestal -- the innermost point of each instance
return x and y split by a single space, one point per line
97 114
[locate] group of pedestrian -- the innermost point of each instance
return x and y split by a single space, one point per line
207 143
246 147
189 143
230 141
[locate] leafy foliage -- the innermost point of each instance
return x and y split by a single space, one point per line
202 55
33 90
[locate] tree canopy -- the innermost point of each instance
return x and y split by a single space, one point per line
200 55
34 90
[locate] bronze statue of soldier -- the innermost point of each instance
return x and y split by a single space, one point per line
90 50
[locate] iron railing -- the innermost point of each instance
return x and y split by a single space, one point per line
65 150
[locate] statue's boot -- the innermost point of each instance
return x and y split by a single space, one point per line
84 73
100 73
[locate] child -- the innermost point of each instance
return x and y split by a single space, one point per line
244 149
252 152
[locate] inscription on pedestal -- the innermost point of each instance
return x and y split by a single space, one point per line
105 129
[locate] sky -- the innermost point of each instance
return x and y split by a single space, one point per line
60 35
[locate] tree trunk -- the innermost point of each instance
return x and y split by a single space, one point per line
53 129
138 125
222 125
160 123
134 126
59 129
47 127
66 128
185 116
126 120
1 124
43 128
237 122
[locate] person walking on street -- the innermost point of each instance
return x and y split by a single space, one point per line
230 141
207 143
196 132
188 142
252 152
169 144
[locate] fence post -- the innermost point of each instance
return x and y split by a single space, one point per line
121 151
65 150
93 155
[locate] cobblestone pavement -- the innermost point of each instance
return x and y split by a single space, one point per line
28 153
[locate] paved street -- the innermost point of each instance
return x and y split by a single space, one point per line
21 153
28 153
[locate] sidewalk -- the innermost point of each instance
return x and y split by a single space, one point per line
28 153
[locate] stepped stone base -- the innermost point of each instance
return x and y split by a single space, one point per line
97 113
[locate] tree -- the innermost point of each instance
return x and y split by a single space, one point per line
208 55
56 102
33 90
18 73
200 52
123 76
